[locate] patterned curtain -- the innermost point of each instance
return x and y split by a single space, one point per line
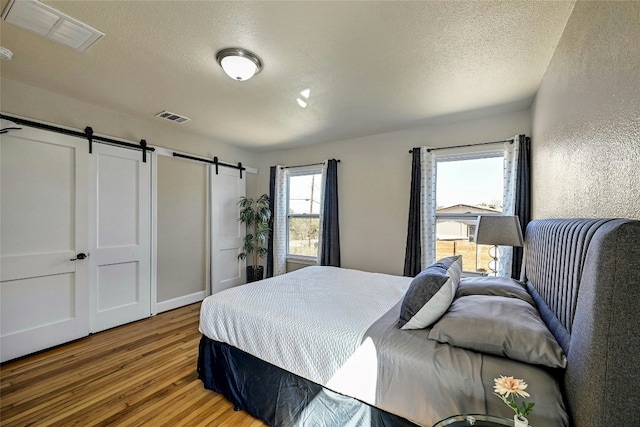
522 197
428 204
279 215
413 252
329 233
511 154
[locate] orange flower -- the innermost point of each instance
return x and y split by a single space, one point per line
505 386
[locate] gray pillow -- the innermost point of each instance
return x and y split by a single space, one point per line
430 293
497 286
507 327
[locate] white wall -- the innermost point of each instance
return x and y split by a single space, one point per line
374 179
586 117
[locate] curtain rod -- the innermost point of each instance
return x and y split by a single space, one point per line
311 164
467 145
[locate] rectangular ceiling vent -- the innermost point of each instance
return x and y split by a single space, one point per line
50 23
176 118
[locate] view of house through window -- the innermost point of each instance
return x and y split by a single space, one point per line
304 195
466 186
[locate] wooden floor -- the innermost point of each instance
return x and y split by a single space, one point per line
141 374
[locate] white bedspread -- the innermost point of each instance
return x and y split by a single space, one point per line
323 328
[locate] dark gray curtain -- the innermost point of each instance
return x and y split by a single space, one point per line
523 198
330 250
272 196
413 254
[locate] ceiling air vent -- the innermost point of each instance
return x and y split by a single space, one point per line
176 118
48 22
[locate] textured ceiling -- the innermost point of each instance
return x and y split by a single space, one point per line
371 67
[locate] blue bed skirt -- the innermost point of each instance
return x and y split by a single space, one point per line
279 397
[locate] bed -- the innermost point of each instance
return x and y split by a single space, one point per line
325 346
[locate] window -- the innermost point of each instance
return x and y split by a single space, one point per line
303 219
467 186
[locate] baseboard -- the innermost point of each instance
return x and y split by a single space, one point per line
180 301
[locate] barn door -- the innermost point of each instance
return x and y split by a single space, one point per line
120 213
227 233
43 241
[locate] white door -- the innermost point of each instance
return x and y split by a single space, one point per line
43 217
120 261
227 233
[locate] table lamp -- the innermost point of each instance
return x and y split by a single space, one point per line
496 230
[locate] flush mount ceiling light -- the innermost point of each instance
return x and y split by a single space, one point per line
239 64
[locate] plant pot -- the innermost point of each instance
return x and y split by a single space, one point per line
520 421
254 273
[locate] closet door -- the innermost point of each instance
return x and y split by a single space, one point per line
43 236
120 214
227 233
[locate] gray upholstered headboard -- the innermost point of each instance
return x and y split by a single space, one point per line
585 277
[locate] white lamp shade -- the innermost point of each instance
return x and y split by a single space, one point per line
239 67
499 230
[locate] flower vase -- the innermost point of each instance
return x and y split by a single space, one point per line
520 421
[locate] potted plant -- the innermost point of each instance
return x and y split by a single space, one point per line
255 214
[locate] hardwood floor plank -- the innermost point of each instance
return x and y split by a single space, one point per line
98 383
143 373
190 413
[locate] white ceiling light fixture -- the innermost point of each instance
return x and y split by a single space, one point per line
239 64
48 22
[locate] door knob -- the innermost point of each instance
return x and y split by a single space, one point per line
80 256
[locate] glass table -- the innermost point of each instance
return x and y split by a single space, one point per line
474 420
